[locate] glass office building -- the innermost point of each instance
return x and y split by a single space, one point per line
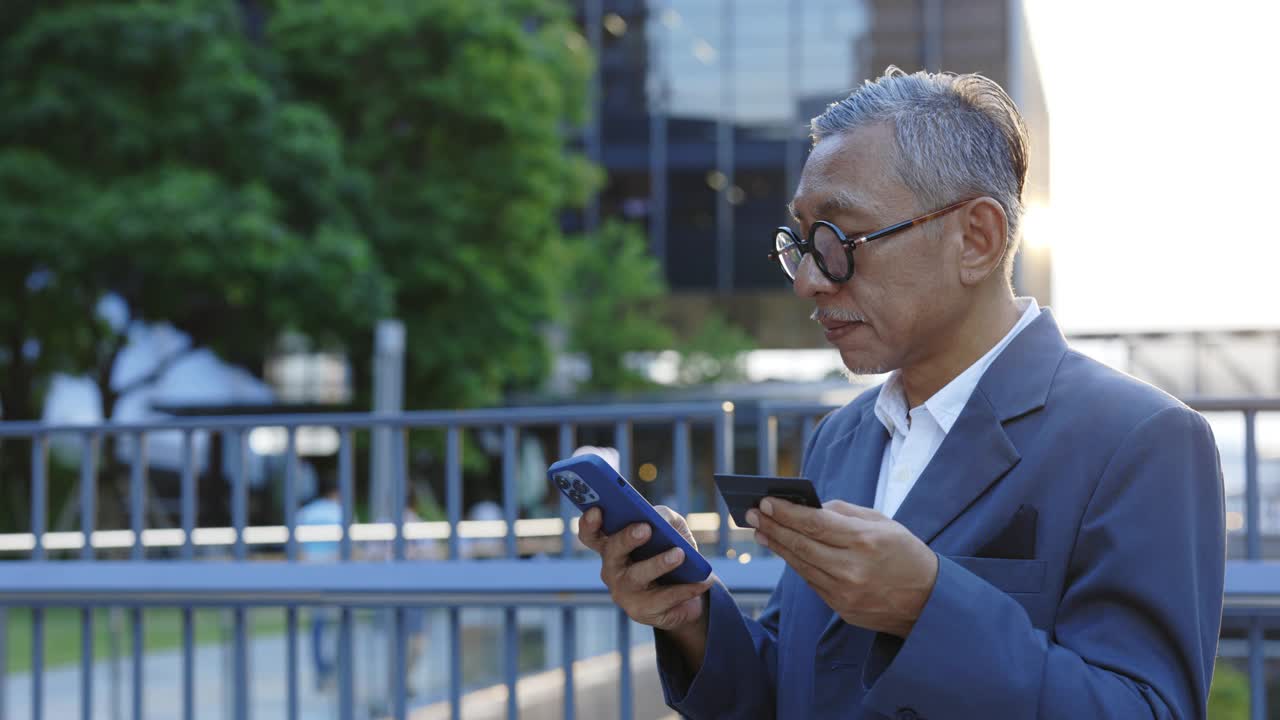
702 110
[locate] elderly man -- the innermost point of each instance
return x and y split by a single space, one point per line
1012 530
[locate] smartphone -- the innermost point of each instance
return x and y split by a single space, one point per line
744 492
588 481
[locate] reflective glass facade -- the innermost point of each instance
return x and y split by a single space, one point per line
702 110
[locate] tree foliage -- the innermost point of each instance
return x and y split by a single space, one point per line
612 296
458 115
145 153
308 167
612 285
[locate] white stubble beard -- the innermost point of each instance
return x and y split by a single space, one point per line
850 374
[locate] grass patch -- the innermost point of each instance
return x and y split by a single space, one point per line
162 630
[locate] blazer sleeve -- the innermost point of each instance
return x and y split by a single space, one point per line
1137 626
739 674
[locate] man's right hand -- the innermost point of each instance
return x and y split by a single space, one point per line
679 609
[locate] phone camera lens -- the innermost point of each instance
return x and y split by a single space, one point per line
562 482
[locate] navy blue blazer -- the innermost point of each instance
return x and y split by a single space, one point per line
1077 514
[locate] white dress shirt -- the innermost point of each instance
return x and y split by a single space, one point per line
917 435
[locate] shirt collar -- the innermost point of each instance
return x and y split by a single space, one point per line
891 406
946 405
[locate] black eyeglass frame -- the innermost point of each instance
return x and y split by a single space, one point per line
849 244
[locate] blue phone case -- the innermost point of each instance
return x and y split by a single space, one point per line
587 480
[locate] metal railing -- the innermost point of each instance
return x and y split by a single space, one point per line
146 577
564 582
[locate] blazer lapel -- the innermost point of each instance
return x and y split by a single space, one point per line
978 452
859 473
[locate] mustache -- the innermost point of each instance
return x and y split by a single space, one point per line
837 314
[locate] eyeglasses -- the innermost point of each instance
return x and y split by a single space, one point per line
832 251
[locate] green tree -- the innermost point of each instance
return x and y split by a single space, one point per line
612 308
610 297
714 353
147 154
458 114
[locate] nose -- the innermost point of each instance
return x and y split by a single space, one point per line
809 281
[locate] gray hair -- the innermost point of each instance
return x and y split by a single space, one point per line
958 136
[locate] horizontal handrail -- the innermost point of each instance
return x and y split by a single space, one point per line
413 419
547 415
455 583
1251 586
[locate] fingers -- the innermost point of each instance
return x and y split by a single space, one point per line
640 575
589 531
632 583
780 538
853 511
677 521
814 523
671 516
618 546
800 554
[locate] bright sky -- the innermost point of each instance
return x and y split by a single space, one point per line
1165 157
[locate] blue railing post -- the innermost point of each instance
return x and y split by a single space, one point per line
1253 551
346 650
511 636
39 498
766 451
568 630
453 487
188 502
238 440
88 523
766 443
1252 492
291 555
399 487
622 441
724 464
290 500
400 664
399 645
453 501
137 553
683 462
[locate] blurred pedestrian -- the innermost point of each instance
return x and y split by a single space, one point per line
324 509
415 618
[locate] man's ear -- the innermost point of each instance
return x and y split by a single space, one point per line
984 236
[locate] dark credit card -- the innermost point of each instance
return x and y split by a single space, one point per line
744 492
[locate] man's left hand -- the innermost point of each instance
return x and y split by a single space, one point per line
869 569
